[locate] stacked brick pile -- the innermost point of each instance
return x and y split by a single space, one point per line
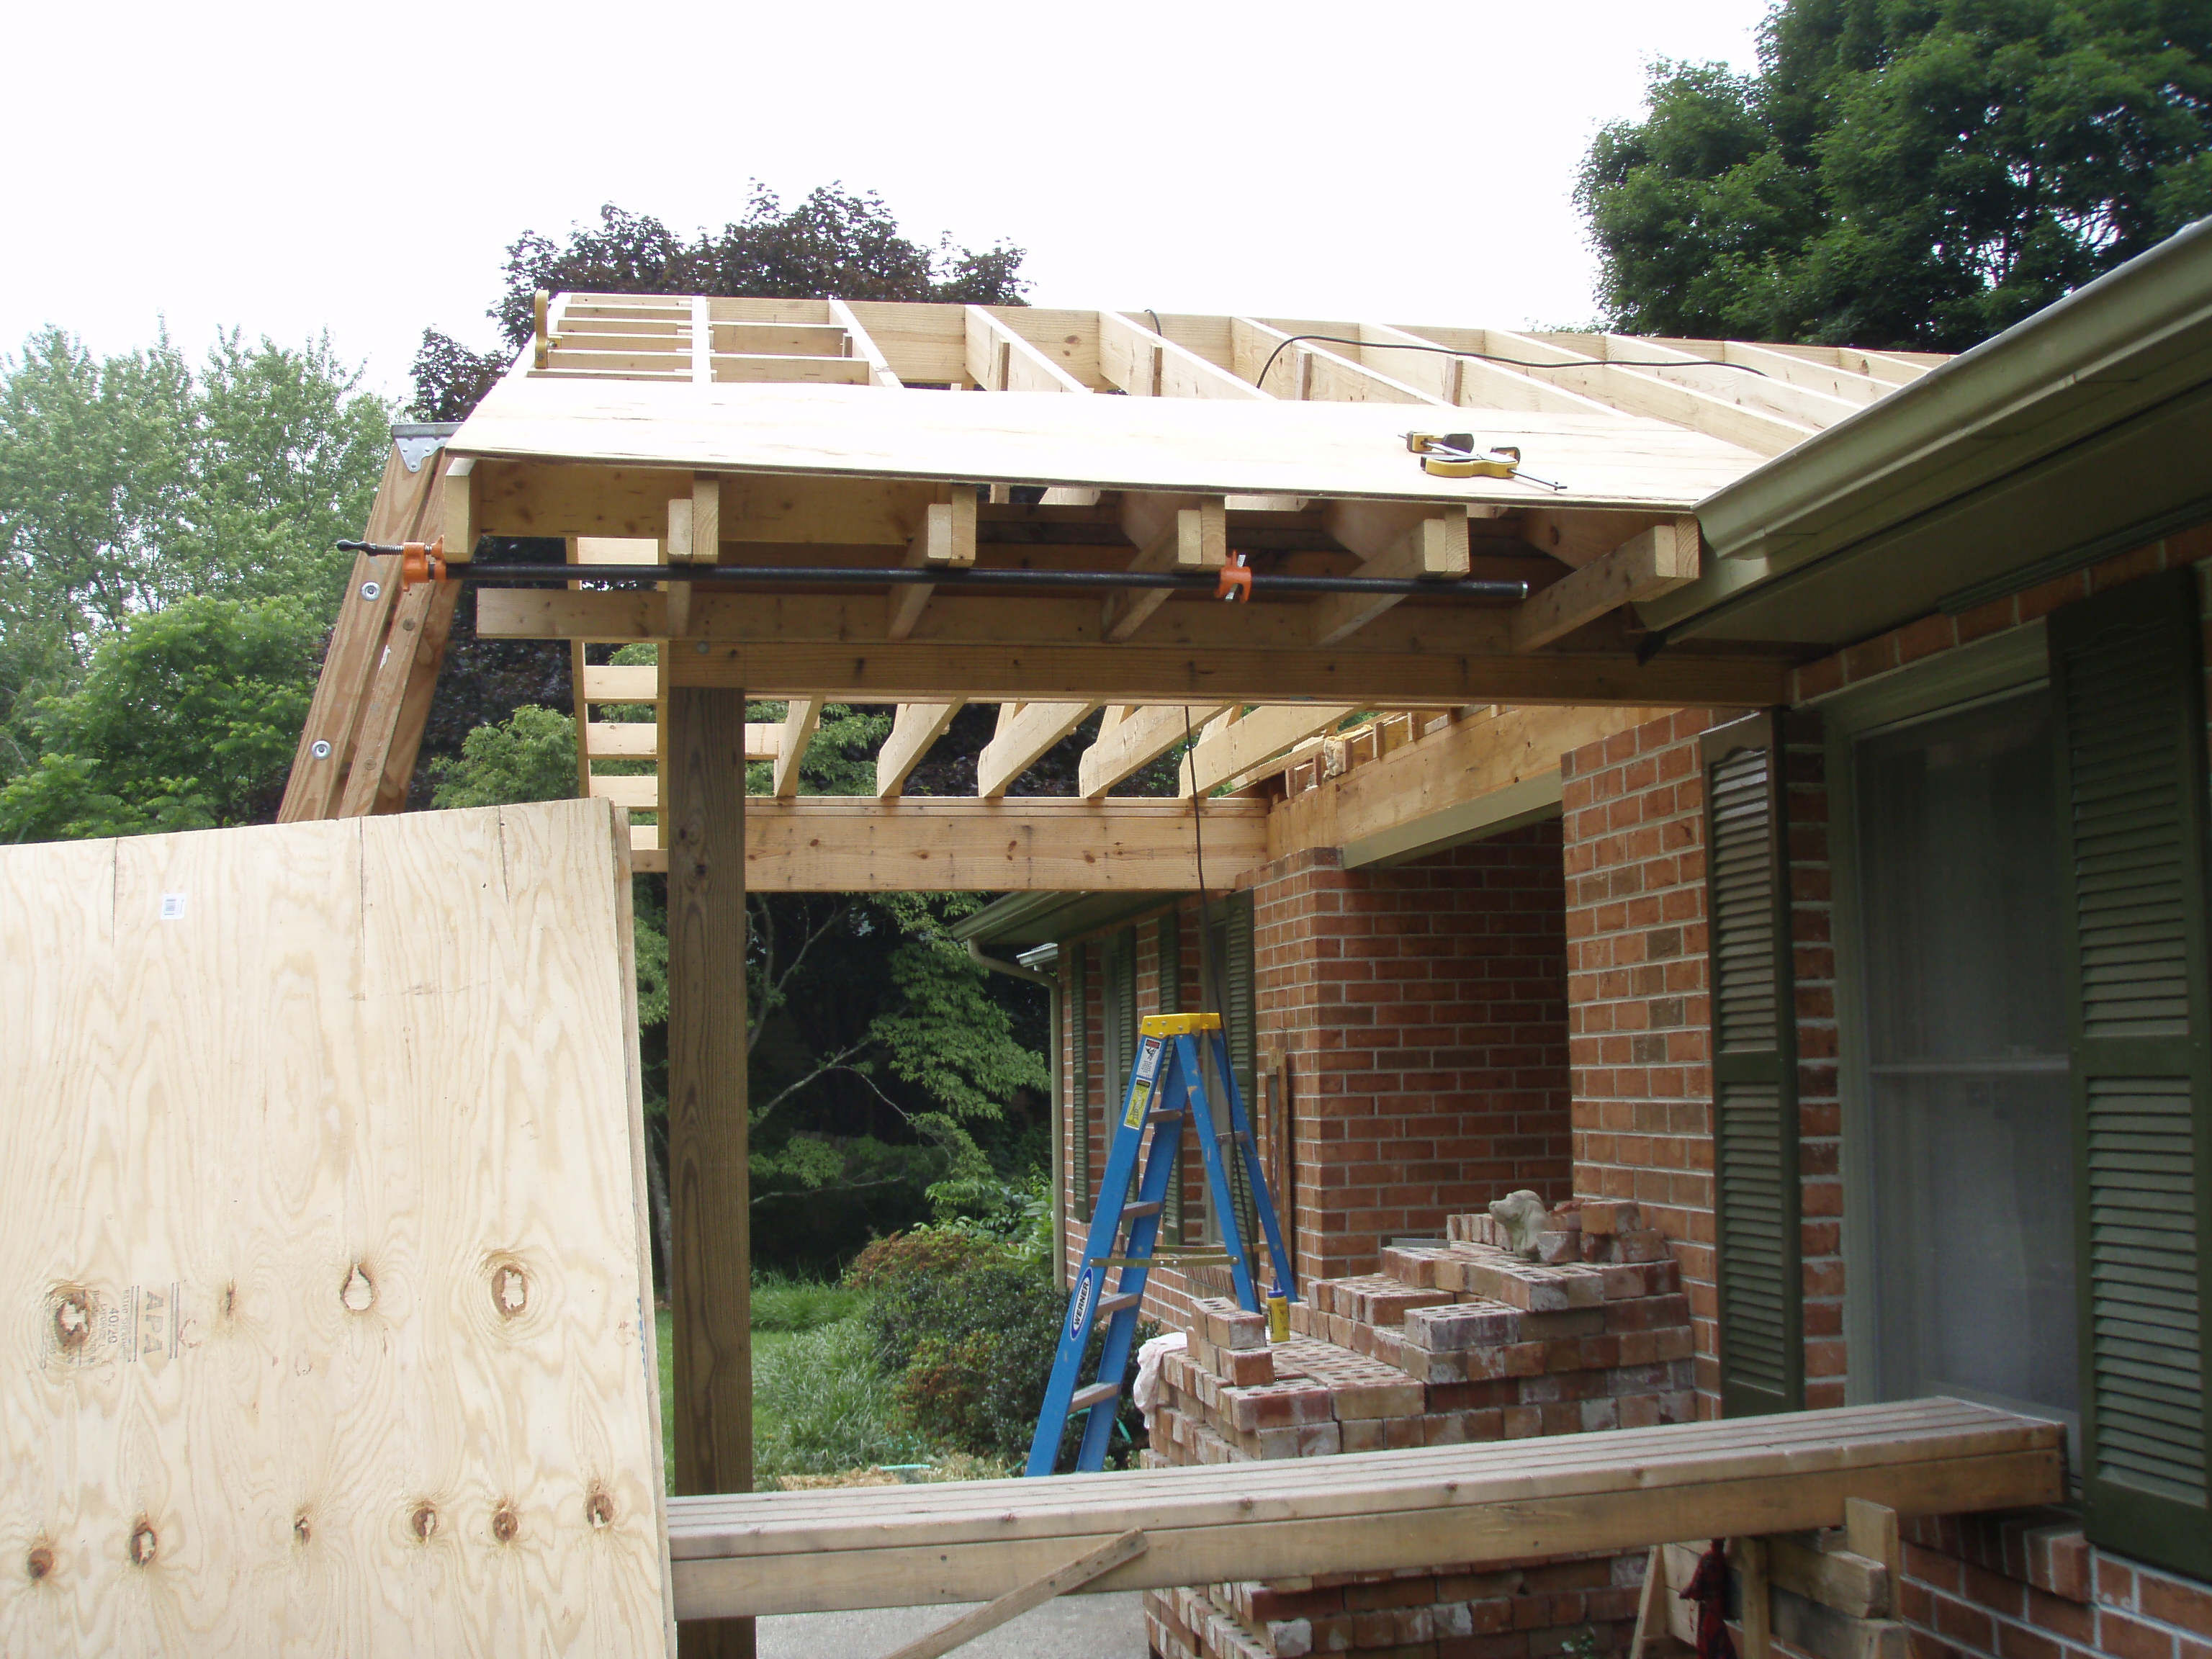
1528 1610
1451 1343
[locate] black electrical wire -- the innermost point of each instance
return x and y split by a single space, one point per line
1260 378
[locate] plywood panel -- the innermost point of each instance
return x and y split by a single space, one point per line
324 1312
1169 445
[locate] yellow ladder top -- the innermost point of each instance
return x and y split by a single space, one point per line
1178 1024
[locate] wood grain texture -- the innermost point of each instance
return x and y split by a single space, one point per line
1370 1512
710 1192
329 1325
1200 446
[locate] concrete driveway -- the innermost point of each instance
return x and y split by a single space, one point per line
1070 1627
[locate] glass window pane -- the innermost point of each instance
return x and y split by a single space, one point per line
1970 1161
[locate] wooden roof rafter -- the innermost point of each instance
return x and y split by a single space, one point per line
735 432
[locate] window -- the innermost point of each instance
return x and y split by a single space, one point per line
1966 1179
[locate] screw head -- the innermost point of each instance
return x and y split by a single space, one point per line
370 590
320 748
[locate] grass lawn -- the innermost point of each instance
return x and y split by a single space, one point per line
819 1405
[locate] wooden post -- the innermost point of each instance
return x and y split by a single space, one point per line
710 1274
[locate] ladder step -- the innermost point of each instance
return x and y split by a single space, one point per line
1097 1394
1109 1305
1170 1115
1132 1212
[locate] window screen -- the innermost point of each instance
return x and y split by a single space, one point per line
1969 1160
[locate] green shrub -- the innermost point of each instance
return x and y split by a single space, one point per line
925 1251
822 1407
781 1302
970 1347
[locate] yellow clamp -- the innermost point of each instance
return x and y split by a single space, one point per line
1451 455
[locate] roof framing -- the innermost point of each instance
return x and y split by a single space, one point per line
833 433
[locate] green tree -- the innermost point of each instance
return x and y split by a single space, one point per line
890 1074
1903 173
835 241
129 485
185 719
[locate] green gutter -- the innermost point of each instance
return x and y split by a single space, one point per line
2134 337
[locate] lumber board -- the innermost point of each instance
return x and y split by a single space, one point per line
1017 844
1423 545
1210 446
1138 674
1834 381
1655 562
1169 533
325 1243
312 789
915 728
792 739
1139 737
710 1271
1145 364
1424 789
1234 748
1020 1600
1022 738
1308 370
1363 1512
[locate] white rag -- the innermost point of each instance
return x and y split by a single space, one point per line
1148 1367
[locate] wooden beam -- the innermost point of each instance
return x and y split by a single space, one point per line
1361 1512
1021 740
1016 1602
864 347
626 683
1313 372
792 739
1426 789
1026 843
1469 382
1171 532
1236 746
1141 737
1145 364
1631 390
1392 541
946 540
1767 393
915 728
1657 561
710 1271
1835 382
317 781
999 359
856 620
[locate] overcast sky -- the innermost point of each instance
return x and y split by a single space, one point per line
292 168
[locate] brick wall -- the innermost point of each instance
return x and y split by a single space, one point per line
1422 1011
1993 1587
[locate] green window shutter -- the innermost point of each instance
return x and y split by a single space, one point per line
1170 956
2127 685
1232 951
1754 1058
1079 979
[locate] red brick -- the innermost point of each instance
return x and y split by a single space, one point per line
2124 1637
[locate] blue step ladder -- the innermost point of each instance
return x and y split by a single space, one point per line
1167 1088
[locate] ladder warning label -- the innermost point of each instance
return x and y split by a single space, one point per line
1148 1059
1140 1087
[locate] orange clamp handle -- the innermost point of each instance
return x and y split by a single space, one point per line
1235 581
421 563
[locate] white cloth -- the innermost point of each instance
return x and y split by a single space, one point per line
1148 1367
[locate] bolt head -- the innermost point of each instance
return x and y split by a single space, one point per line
370 590
320 748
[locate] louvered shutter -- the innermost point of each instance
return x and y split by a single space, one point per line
2127 683
1170 958
1754 1059
1233 950
1078 979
